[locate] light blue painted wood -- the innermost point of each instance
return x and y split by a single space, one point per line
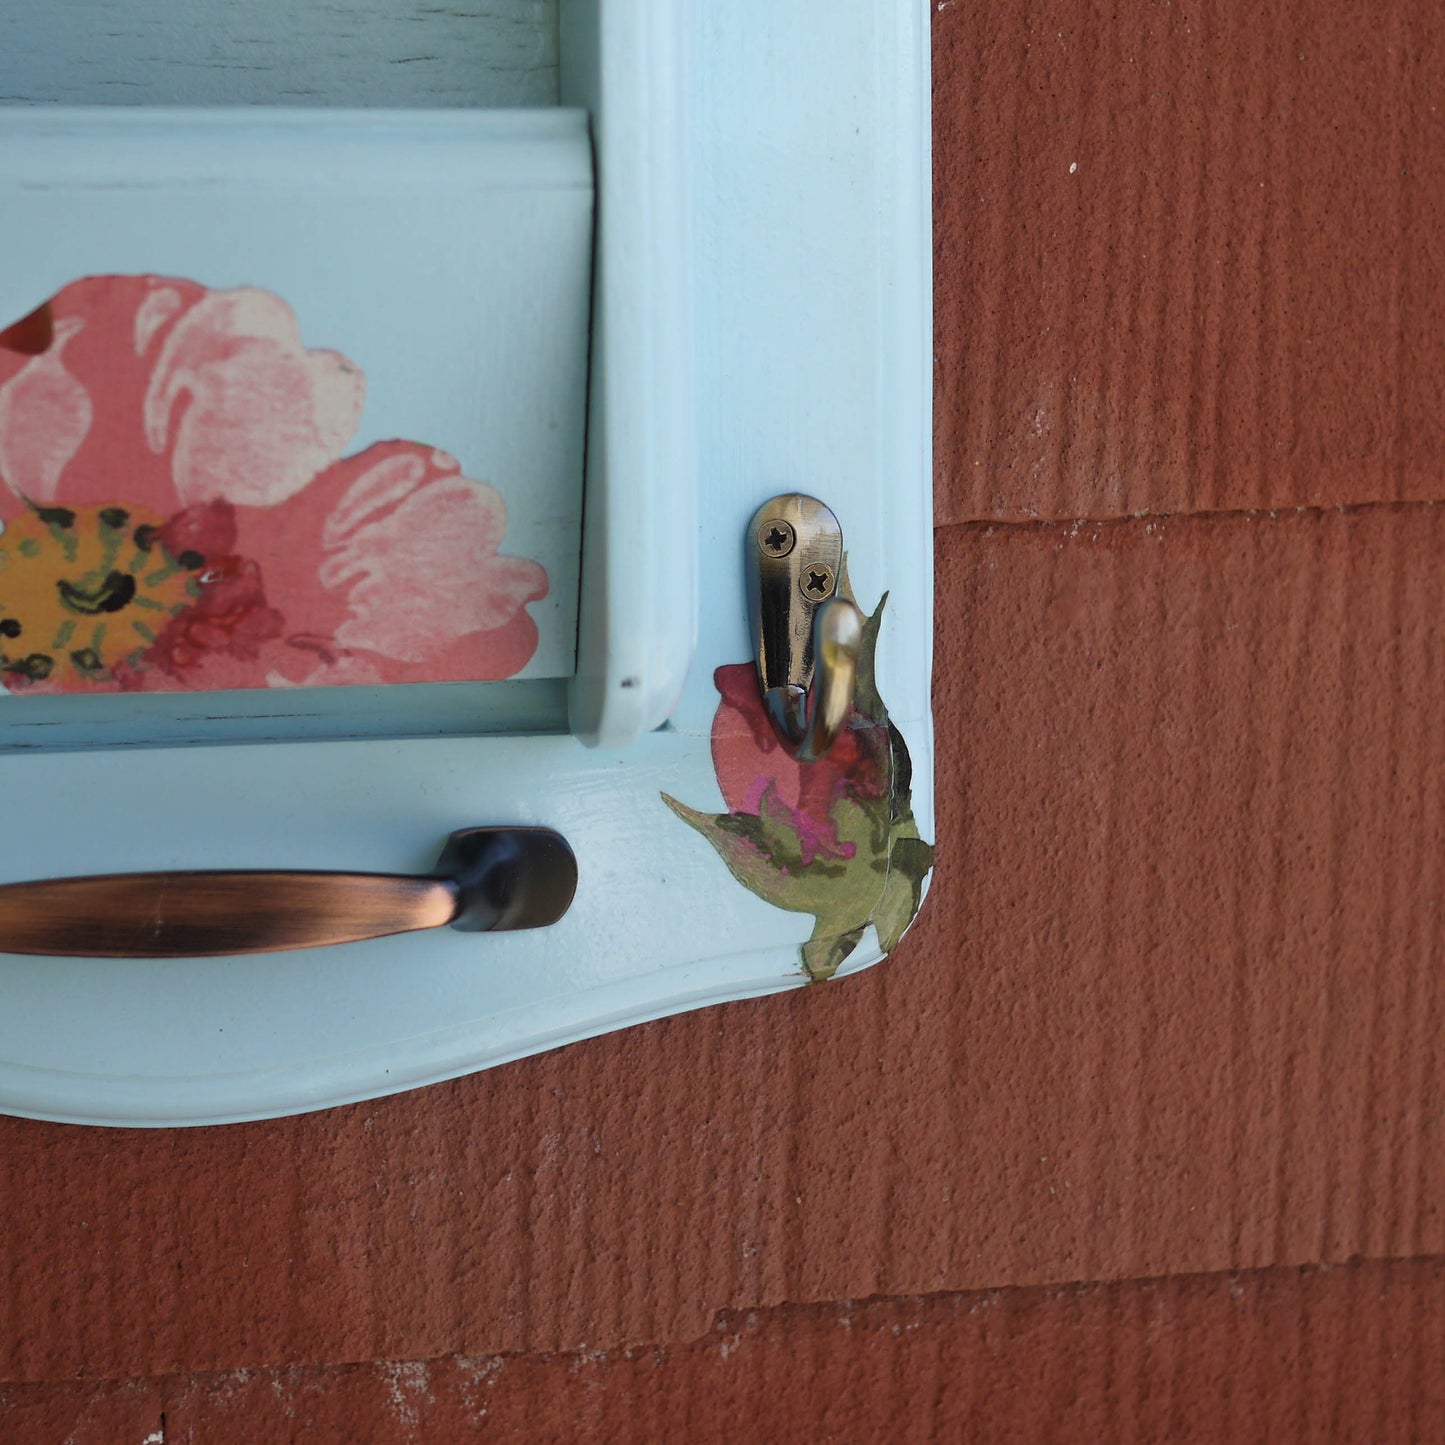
159 720
804 171
448 255
637 626
279 52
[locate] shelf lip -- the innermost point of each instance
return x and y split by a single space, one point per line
533 150
557 120
133 722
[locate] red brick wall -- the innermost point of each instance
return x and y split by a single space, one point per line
1142 1132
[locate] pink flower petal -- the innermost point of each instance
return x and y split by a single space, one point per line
752 765
248 413
203 413
45 414
99 321
160 306
390 481
428 572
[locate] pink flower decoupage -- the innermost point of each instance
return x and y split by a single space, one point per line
178 512
835 838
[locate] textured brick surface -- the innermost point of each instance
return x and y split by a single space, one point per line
83 1412
1349 1355
1175 1005
1189 256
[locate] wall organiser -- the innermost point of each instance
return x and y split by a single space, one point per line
551 480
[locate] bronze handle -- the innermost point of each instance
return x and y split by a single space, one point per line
487 880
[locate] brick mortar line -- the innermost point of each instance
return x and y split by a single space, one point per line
1269 514
739 1315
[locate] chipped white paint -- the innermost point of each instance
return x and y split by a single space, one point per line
481 1373
408 1387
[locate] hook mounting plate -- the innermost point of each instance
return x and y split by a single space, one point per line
795 563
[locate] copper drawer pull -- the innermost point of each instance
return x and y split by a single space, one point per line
487 880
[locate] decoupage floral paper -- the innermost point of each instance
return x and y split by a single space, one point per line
179 513
834 838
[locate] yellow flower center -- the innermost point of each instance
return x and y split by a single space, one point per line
85 589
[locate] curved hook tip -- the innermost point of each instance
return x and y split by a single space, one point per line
837 643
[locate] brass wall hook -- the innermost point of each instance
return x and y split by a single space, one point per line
805 637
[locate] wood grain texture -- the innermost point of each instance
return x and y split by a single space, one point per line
271 52
1189 257
1173 1005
